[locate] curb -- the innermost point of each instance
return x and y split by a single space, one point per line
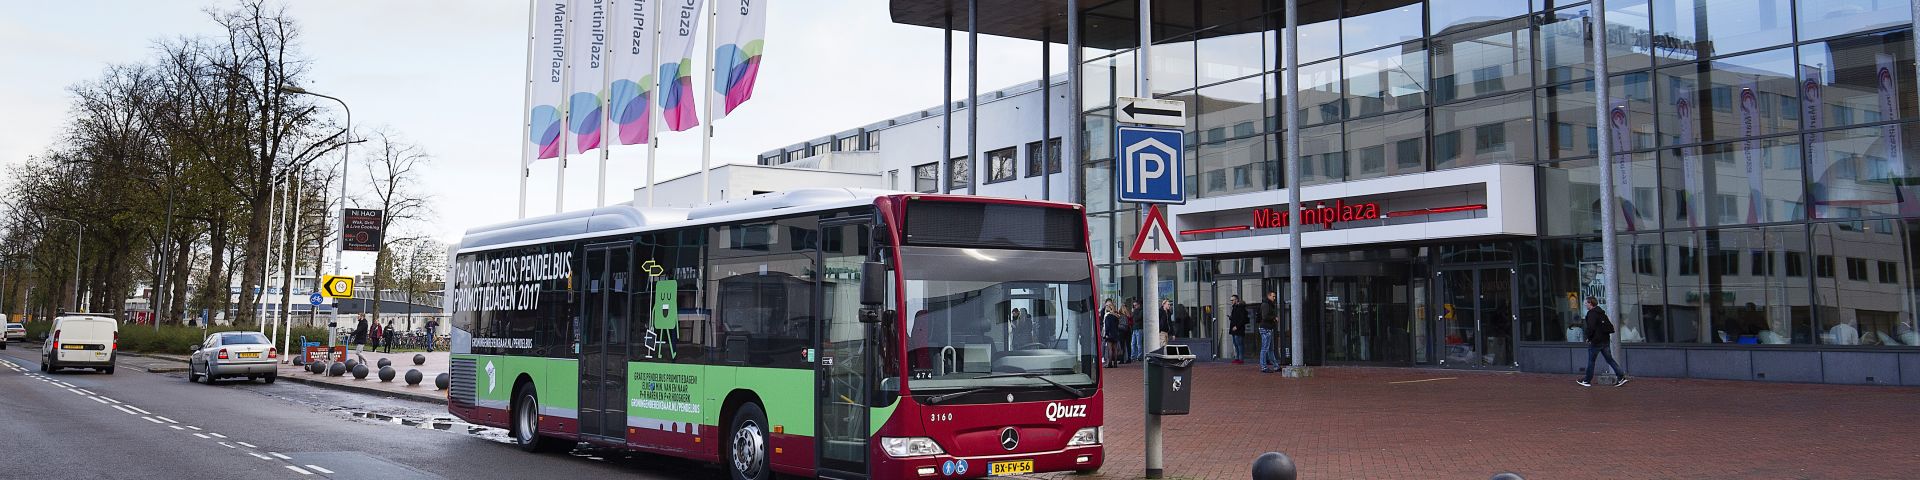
425 397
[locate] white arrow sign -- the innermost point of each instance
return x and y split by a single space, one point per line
1168 113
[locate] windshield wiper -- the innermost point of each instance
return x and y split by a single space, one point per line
936 399
1075 391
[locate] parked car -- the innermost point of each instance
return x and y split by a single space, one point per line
234 354
81 341
15 333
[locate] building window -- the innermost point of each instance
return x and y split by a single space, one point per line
926 178
1857 269
816 150
873 140
959 173
847 144
1643 260
1033 157
1728 260
1823 266
893 179
1796 264
1002 165
1889 272
1762 263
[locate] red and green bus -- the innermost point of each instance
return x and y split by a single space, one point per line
835 333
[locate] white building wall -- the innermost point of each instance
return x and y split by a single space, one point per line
737 181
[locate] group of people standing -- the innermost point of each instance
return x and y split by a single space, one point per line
1240 316
374 336
1123 326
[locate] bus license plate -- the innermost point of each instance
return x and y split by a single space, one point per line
1013 467
249 354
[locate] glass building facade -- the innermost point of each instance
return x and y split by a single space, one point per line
1768 222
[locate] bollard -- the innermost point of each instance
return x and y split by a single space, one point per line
360 372
299 361
316 368
351 363
413 377
337 369
1273 466
440 382
419 359
386 374
1507 476
384 363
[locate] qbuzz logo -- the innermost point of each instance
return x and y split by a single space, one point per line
491 377
1057 411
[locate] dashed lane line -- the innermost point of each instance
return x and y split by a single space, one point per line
138 409
110 399
97 399
202 436
279 456
318 469
169 420
216 434
150 419
298 469
245 444
229 445
262 457
125 409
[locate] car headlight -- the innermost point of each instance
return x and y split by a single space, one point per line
1086 436
910 446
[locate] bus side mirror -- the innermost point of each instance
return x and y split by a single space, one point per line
873 283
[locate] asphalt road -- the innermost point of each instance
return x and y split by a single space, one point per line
139 425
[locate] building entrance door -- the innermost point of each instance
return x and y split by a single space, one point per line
1474 317
1366 319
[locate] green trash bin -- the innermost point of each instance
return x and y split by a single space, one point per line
1169 380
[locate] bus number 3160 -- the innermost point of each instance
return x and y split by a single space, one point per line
939 417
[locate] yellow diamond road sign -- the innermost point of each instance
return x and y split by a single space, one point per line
336 286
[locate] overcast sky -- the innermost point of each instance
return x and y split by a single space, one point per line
448 75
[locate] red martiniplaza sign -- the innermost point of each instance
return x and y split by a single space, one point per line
1327 215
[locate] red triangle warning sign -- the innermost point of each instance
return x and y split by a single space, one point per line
1155 241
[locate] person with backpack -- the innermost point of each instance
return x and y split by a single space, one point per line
432 326
1600 331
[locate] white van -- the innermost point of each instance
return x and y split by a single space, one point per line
81 341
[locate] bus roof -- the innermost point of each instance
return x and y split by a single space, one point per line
614 219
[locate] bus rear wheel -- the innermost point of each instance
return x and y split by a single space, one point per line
526 424
747 449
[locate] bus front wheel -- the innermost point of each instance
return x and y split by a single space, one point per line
526 423
747 449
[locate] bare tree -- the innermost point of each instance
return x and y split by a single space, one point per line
393 168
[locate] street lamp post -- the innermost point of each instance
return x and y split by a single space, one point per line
78 236
339 253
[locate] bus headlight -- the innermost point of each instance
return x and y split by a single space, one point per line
910 446
1086 436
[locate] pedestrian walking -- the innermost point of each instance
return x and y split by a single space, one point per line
1134 321
432 325
1599 332
1112 329
360 332
1269 323
374 336
1169 326
387 333
1237 320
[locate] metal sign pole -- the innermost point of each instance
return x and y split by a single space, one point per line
1150 273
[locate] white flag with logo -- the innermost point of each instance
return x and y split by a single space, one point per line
546 78
630 83
740 38
586 97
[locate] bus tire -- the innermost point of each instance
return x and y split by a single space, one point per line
526 421
747 451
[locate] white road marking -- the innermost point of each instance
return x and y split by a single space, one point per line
110 399
1424 380
150 419
175 427
228 445
262 457
245 444
298 469
193 427
169 420
201 435
77 392
318 469
137 409
217 435
97 399
88 392
279 456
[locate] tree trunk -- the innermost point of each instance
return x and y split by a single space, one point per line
256 256
182 268
213 291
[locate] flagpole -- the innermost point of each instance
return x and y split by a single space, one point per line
566 115
706 141
653 138
526 109
605 117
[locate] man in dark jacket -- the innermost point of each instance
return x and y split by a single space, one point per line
1599 331
1168 324
360 332
1237 320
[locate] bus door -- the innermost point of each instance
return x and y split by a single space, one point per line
845 365
603 341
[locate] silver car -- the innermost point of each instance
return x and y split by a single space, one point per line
234 354
15 333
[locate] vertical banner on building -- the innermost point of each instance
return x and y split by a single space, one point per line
742 35
1750 151
1692 179
1811 105
1621 139
681 22
631 67
546 86
1889 83
586 88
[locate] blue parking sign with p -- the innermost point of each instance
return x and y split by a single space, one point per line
1150 168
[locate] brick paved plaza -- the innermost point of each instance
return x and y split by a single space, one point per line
1350 422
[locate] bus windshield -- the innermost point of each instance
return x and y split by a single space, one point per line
985 318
